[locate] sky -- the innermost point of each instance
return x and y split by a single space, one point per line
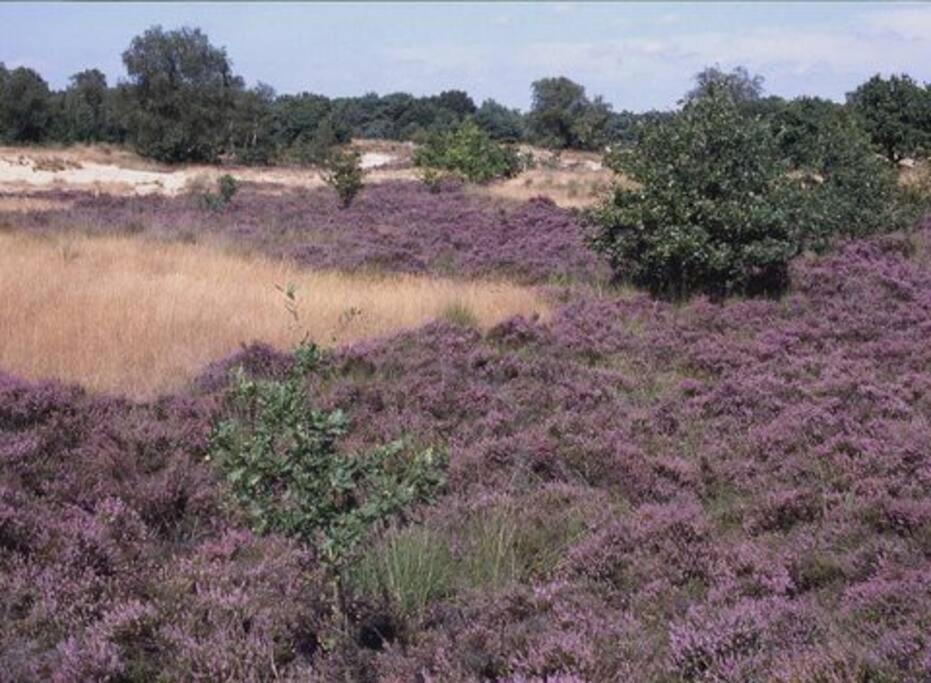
638 56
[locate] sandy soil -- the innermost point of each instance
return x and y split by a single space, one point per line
571 179
90 170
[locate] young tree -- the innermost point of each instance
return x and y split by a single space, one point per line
896 113
183 94
343 172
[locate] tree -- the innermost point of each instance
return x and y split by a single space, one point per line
563 116
557 103
25 105
86 108
896 113
183 94
739 84
851 189
456 101
591 127
255 135
500 122
714 212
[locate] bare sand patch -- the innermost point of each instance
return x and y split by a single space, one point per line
122 314
107 171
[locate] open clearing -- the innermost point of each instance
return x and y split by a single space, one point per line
121 173
571 180
140 317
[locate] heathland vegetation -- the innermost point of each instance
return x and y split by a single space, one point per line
413 432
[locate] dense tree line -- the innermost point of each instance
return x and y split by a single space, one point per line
182 101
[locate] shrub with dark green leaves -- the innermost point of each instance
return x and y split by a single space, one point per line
850 189
279 457
469 151
715 210
343 172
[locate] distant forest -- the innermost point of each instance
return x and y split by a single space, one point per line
181 101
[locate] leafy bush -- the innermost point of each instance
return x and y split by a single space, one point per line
850 189
280 459
714 212
432 178
469 151
343 172
226 190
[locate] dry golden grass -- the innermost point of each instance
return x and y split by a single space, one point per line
567 188
141 318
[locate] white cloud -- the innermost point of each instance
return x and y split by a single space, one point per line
908 23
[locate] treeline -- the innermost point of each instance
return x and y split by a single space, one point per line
181 101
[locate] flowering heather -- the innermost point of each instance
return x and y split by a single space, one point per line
396 226
705 492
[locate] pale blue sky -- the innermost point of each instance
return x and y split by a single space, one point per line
639 55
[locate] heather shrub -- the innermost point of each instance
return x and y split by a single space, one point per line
280 459
714 211
469 151
343 172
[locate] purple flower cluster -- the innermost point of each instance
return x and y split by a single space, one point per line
395 226
749 481
118 560
762 468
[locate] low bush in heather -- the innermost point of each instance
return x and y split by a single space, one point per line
279 457
343 172
469 151
226 190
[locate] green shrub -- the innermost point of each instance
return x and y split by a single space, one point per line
715 210
469 151
280 459
432 178
226 189
343 172
850 190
